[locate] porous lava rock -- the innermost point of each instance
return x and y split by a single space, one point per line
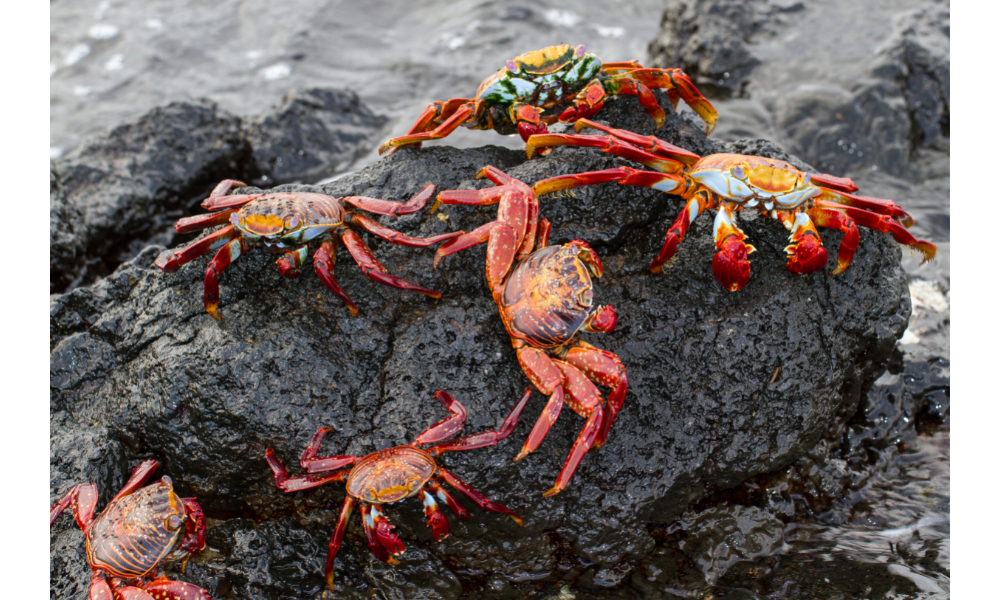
722 386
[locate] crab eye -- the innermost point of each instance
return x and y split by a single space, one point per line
807 179
580 50
511 66
234 219
738 172
293 223
173 522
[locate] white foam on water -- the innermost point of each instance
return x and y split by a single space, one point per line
55 152
115 63
154 24
103 31
278 71
76 54
562 18
610 32
927 296
81 90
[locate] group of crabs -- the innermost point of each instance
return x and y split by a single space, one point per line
544 294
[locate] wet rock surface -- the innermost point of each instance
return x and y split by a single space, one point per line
723 387
119 192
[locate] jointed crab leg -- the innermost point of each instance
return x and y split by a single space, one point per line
835 219
225 257
603 367
82 498
447 426
199 222
337 538
475 496
195 249
885 224
485 438
311 464
297 484
443 130
389 208
373 269
447 498
323 262
288 265
398 237
436 520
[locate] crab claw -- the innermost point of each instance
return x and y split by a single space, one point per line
588 256
730 265
529 129
807 255
604 319
435 518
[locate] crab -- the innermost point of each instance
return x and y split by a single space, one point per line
730 183
286 223
545 297
137 532
558 83
395 474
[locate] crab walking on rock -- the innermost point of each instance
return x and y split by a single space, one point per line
287 223
395 474
733 182
545 296
557 83
140 530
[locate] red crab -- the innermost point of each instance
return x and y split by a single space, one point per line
545 297
734 182
286 223
137 532
397 473
558 83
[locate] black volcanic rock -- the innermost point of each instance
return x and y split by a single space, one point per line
722 386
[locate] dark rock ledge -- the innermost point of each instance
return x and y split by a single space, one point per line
723 386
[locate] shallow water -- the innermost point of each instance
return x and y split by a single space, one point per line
114 60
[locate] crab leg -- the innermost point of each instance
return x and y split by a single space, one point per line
603 367
199 222
544 374
374 270
806 253
337 538
675 79
885 224
323 262
436 520
220 198
625 84
585 400
397 237
82 498
447 498
675 235
194 530
475 496
384 544
100 589
165 589
663 182
288 265
485 438
392 209
226 255
213 241
297 484
835 219
466 240
443 130
730 265
875 205
646 142
140 475
587 103
311 464
447 426
128 592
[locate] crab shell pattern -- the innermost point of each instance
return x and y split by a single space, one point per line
558 83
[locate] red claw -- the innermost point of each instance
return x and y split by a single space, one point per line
806 256
528 129
730 265
387 539
604 319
